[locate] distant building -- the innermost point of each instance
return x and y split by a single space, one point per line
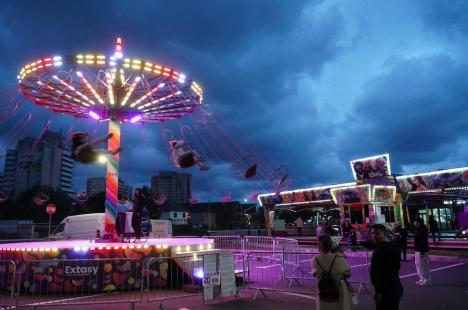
176 187
45 161
179 215
98 184
220 215
8 182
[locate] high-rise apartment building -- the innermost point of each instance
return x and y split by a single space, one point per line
98 184
44 161
9 171
176 187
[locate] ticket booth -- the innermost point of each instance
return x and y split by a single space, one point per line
384 203
354 204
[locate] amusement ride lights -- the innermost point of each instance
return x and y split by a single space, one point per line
85 86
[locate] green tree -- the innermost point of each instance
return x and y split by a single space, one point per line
26 208
96 203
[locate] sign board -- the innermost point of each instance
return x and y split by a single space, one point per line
351 194
371 167
210 275
226 272
51 209
442 179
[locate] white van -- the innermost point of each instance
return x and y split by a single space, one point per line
85 226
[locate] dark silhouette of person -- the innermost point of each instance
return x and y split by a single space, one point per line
137 213
384 271
85 151
421 252
402 239
434 228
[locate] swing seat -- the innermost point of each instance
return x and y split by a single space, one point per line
40 199
251 172
204 168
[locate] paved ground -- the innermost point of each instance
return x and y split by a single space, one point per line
450 291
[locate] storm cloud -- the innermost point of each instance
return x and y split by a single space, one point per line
308 84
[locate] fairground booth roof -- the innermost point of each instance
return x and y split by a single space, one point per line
374 182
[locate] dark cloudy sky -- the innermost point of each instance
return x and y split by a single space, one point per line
310 84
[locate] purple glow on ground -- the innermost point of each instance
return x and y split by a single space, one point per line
74 244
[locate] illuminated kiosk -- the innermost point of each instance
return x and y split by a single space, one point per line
371 198
118 90
442 194
377 195
316 199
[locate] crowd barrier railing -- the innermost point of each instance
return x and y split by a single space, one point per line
358 259
7 284
173 277
292 271
58 282
287 269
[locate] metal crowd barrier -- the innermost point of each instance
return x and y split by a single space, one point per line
173 277
358 258
247 244
7 283
234 243
292 271
121 280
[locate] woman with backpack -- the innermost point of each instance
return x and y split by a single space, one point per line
331 272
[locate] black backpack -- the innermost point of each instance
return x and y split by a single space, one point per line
327 286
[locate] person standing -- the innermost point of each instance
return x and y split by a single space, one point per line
137 213
402 239
366 238
336 266
384 271
434 228
421 252
318 230
299 226
346 229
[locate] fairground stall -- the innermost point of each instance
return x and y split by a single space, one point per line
442 194
314 205
371 198
380 196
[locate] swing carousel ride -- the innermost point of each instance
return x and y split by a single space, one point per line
118 90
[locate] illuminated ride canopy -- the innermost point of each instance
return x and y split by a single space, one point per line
100 87
112 88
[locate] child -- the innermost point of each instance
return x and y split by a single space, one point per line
83 150
185 158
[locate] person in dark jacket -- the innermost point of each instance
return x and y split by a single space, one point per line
137 213
384 271
421 252
434 228
402 239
